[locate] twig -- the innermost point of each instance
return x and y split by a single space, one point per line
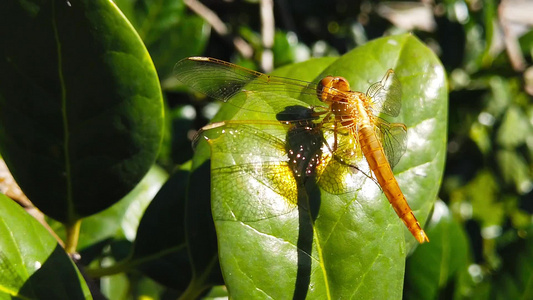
508 12
267 34
211 17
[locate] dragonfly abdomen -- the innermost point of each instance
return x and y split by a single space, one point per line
377 161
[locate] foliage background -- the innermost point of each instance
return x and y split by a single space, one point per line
482 243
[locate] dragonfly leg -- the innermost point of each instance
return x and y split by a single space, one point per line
316 113
335 135
325 118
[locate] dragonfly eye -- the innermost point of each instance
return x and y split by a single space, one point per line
323 88
341 84
330 86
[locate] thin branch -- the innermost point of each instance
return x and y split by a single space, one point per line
507 13
267 34
211 17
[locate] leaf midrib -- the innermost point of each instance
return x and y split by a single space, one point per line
66 131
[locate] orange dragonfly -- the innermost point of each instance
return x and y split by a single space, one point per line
350 116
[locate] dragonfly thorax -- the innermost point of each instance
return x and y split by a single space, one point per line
350 108
345 113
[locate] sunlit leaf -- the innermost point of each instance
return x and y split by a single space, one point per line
32 264
515 170
329 245
508 135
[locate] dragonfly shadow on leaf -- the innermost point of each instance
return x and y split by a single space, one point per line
264 176
303 145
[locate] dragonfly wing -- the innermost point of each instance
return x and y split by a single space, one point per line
242 137
342 170
393 137
253 192
222 80
386 95
213 77
338 178
251 176
258 168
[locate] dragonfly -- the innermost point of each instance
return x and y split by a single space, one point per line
350 120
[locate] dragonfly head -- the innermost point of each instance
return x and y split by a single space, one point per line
330 87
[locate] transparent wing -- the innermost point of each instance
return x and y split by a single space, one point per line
393 137
257 169
253 191
247 138
348 149
343 170
337 169
386 95
251 176
223 80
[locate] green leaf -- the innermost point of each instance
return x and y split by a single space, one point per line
160 250
188 37
122 286
434 265
287 49
515 278
152 18
508 136
350 245
80 104
167 30
32 264
201 236
515 170
115 286
121 220
481 194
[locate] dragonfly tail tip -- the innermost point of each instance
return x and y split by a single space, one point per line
421 237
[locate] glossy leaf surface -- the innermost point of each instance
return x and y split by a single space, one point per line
80 109
328 245
32 264
434 266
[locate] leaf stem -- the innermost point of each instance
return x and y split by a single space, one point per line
73 234
129 263
193 291
118 267
199 284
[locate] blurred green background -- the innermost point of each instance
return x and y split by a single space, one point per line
481 228
486 47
